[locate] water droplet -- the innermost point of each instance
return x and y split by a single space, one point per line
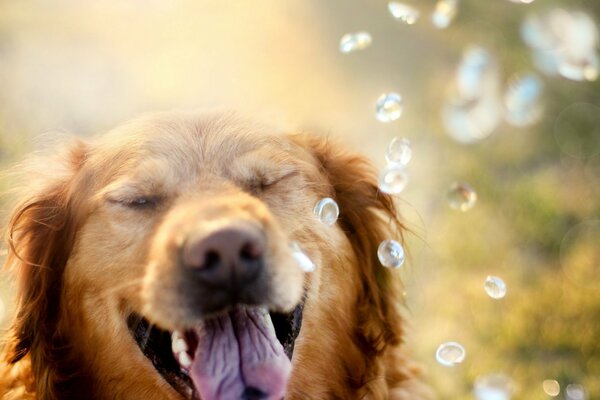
301 258
576 392
522 100
551 387
577 130
388 107
393 179
461 196
493 387
495 287
399 151
450 354
444 13
403 12
391 254
355 41
327 211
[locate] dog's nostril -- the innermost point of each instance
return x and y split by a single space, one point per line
212 259
252 393
250 252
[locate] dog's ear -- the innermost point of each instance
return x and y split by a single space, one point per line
40 235
367 216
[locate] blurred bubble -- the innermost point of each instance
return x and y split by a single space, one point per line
399 151
403 12
327 211
461 196
575 392
580 254
444 13
393 179
495 287
355 41
563 43
388 107
301 258
522 100
450 354
391 254
551 387
493 387
577 130
474 108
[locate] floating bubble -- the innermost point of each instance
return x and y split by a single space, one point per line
478 74
580 255
495 287
450 354
493 387
461 196
522 100
551 387
388 107
351 42
444 13
403 12
393 179
577 130
399 151
391 254
563 43
576 392
301 258
327 211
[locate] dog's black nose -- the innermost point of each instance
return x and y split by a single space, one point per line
227 258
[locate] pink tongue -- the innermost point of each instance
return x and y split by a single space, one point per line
239 357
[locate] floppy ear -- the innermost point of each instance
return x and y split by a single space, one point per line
367 217
40 235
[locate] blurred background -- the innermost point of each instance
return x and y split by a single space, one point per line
499 100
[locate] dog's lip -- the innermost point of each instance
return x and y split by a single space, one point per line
166 352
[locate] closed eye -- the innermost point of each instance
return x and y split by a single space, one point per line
263 183
138 203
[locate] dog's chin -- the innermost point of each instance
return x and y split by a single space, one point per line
240 353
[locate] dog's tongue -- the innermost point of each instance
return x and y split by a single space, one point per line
239 357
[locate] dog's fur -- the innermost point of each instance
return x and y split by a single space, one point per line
83 260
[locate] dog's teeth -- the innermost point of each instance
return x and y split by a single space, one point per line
184 359
178 343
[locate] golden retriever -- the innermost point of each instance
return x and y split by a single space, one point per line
156 262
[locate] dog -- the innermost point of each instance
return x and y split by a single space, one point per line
158 261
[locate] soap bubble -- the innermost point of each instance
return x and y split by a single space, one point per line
493 387
577 130
522 100
474 107
301 258
391 254
327 211
388 107
563 43
575 392
461 196
355 41
393 179
444 13
495 287
399 151
403 12
551 387
450 354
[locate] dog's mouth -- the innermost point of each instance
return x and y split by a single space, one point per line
244 353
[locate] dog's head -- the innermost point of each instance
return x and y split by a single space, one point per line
180 232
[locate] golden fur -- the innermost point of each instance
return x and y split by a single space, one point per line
83 261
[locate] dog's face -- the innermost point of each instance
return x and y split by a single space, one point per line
171 249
